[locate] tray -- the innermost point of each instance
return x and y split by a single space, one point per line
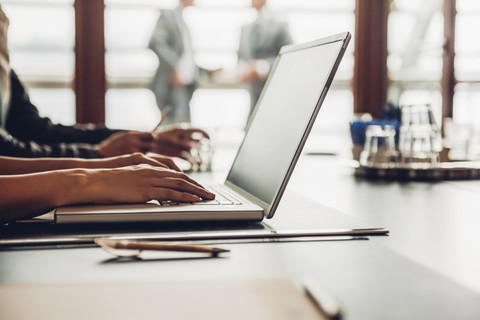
443 171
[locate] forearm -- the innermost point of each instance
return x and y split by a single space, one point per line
26 196
25 123
9 166
12 166
11 146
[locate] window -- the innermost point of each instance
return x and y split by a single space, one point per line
44 56
41 42
467 64
415 53
215 27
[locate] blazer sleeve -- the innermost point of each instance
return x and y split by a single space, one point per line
282 38
10 146
243 52
24 122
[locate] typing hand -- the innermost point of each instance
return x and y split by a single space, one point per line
126 142
177 140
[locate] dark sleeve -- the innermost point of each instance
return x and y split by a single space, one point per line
24 123
10 146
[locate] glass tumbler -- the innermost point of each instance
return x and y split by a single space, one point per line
379 150
420 140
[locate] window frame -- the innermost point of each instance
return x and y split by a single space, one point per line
370 79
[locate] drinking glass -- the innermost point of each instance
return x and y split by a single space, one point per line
379 150
202 155
420 140
458 137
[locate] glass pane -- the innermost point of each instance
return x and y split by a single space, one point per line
41 41
467 64
466 109
415 49
467 49
215 30
131 109
57 104
415 39
220 108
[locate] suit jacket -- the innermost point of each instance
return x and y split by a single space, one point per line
270 36
167 43
26 134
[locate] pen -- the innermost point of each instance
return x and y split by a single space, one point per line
324 302
111 244
165 113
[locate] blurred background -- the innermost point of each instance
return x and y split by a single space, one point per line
426 52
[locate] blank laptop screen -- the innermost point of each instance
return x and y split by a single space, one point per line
282 116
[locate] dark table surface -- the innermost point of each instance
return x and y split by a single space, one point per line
426 268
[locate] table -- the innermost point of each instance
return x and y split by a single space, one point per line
433 223
427 268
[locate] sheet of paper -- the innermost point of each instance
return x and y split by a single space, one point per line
277 299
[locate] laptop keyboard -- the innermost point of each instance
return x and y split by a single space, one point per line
222 197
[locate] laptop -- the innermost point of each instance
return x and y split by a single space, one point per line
273 142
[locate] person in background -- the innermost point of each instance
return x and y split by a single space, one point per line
176 77
24 133
260 43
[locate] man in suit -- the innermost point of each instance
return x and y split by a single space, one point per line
175 79
260 42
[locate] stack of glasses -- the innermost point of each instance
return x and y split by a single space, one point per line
415 143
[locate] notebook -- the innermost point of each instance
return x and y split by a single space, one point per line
273 141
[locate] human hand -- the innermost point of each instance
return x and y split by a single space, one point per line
178 140
125 142
250 74
255 70
176 80
153 159
141 183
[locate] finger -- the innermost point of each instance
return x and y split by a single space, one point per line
171 164
173 142
155 163
182 185
174 195
185 155
181 176
143 146
189 157
192 131
166 161
145 136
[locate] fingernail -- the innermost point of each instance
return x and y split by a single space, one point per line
196 198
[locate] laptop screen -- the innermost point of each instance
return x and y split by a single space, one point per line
282 117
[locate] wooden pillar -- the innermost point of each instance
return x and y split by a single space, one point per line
370 79
448 74
89 83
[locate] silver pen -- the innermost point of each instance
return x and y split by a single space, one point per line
322 300
165 113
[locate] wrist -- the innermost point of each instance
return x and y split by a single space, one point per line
75 186
99 148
